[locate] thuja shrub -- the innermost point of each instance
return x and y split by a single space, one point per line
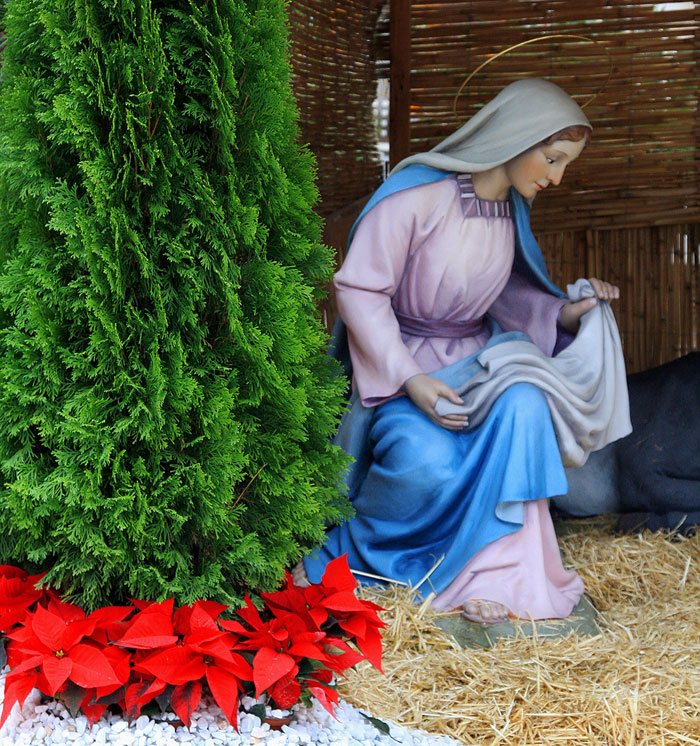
165 400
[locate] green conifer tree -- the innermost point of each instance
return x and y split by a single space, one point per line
165 400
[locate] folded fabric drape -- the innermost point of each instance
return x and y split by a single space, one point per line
585 384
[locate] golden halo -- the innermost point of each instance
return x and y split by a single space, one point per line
533 41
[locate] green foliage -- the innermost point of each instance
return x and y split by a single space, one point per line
165 399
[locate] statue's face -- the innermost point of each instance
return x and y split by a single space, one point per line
537 168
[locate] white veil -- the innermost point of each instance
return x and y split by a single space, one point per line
523 114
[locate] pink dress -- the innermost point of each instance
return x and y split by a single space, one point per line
438 252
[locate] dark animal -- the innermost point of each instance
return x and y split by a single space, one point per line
651 477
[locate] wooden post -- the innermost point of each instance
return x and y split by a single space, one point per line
400 86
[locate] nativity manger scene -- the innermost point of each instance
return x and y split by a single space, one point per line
476 517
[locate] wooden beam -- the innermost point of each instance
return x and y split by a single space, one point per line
400 86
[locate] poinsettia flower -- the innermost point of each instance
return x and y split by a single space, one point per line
131 654
58 644
287 632
204 652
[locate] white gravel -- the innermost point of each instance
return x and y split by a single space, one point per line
48 724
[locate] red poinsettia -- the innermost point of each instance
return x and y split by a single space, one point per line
48 650
202 650
129 655
333 602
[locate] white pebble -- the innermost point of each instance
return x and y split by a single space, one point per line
50 724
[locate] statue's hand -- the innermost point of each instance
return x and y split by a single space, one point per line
571 312
424 391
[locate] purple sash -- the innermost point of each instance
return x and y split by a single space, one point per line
439 327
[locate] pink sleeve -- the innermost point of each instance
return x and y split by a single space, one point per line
364 287
524 307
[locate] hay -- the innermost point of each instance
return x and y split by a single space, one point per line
636 683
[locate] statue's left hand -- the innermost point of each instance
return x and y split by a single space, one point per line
571 312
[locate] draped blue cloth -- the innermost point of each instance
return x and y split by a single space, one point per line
422 493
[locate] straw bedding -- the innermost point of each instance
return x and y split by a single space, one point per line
638 682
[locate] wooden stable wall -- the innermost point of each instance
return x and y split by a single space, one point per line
656 268
333 52
629 209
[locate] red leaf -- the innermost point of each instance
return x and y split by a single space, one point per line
17 594
184 700
91 668
339 662
141 605
10 617
319 615
109 623
56 670
322 674
108 615
337 575
238 666
139 694
10 571
151 628
250 614
26 664
48 628
93 710
16 690
307 650
75 631
203 636
64 610
120 661
355 625
348 658
224 688
234 626
132 698
324 695
343 601
201 615
285 692
176 665
290 599
371 646
270 666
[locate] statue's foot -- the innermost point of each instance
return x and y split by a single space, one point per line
299 575
485 612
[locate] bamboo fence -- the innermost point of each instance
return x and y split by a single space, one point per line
333 49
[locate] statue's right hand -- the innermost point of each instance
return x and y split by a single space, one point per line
424 390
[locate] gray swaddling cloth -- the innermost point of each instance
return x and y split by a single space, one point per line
585 384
